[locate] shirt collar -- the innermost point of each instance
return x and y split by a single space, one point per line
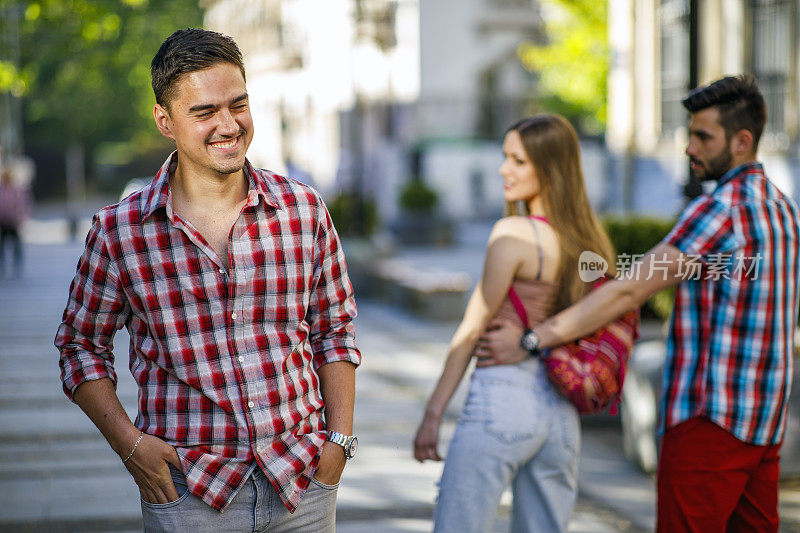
751 167
158 190
260 186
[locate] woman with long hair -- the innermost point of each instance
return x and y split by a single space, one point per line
515 429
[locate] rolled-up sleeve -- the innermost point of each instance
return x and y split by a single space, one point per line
332 306
95 310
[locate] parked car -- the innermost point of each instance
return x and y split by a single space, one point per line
639 408
641 402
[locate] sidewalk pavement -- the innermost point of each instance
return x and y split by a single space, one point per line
57 472
606 478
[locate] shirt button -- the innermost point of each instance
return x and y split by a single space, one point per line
251 405
241 359
233 316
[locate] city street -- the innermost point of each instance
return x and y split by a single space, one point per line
58 474
616 127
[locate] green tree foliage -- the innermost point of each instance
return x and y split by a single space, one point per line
84 69
573 65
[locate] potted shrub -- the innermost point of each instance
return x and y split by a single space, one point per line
353 215
419 223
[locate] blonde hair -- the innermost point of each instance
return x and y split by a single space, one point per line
552 146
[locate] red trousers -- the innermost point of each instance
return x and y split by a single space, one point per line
709 481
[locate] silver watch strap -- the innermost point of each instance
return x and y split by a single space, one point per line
337 438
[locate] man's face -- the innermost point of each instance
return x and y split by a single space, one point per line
708 150
209 119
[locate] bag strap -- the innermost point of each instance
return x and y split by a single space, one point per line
518 307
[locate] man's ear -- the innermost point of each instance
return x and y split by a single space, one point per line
742 143
163 121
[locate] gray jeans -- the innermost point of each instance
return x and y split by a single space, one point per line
515 430
256 507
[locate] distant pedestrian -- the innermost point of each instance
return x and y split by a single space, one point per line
515 429
232 284
15 208
731 340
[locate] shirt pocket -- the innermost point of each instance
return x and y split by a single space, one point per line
287 292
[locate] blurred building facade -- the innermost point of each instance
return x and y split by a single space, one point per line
364 95
663 48
307 61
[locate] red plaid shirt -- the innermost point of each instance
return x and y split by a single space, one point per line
226 359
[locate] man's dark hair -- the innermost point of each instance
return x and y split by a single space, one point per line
741 105
187 51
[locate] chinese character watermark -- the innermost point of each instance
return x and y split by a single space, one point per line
695 267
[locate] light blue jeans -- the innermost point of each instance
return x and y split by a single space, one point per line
256 507
517 430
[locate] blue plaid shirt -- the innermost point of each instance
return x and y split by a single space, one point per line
731 339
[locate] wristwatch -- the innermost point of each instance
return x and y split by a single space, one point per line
349 443
530 342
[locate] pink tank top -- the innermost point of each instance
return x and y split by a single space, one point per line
533 299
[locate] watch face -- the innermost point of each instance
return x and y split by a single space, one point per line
530 341
352 447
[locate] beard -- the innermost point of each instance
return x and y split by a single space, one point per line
715 168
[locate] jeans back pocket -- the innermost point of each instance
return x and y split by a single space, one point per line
513 410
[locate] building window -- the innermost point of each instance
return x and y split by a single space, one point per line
673 18
772 61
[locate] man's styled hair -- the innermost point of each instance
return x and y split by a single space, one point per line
187 51
741 105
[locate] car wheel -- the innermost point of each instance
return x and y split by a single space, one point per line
638 416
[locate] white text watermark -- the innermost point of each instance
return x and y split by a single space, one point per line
714 267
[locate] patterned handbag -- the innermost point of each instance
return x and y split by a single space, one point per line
589 371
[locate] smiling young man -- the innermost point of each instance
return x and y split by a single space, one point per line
232 284
731 339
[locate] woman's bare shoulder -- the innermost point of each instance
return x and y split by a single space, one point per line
514 227
515 241
511 240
